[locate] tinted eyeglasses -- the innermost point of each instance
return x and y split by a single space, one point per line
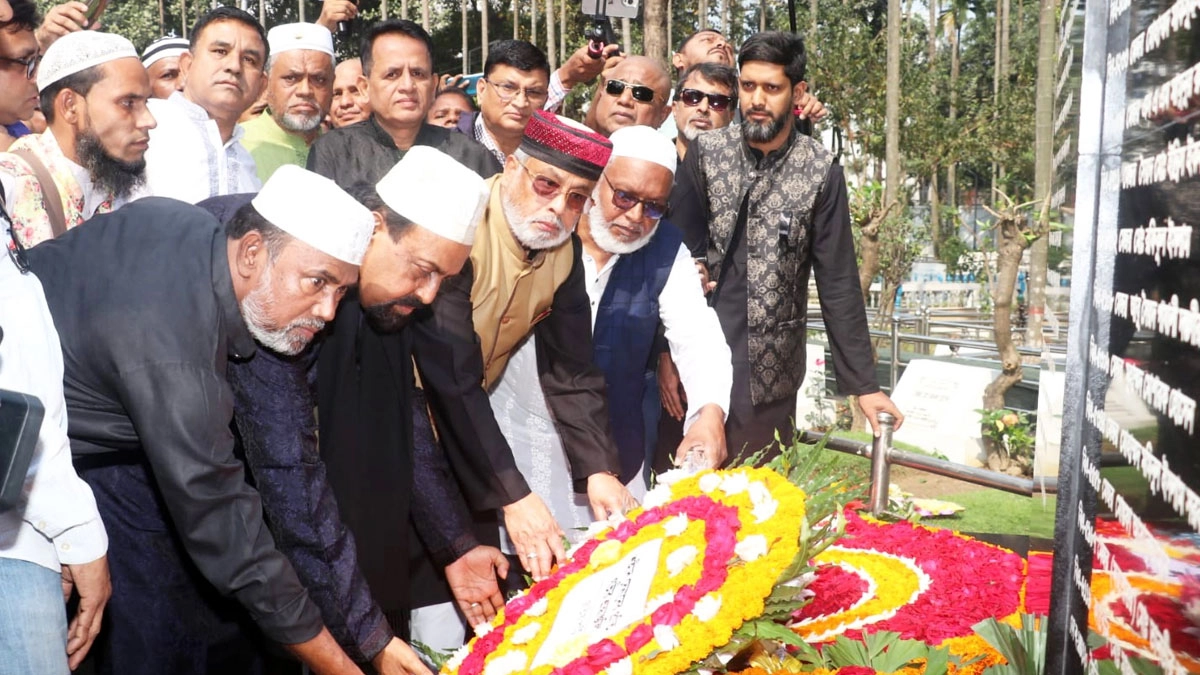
692 98
548 188
30 64
640 91
626 200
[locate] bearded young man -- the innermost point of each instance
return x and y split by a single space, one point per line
153 302
299 93
196 153
765 206
91 158
525 280
637 273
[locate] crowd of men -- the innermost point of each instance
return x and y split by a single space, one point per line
221 246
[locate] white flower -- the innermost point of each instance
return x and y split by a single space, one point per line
735 483
512 662
656 602
459 656
680 558
706 608
525 634
669 477
482 629
665 637
751 548
675 526
709 482
622 667
657 497
538 608
764 504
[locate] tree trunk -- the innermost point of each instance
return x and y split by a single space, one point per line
425 14
626 35
725 18
533 16
300 5
702 11
654 29
516 20
562 31
762 16
952 168
162 17
466 47
1043 176
483 31
262 13
1008 259
868 249
933 15
670 26
551 45
813 11
183 17
935 210
383 9
894 177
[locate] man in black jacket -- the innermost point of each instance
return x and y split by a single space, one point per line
152 302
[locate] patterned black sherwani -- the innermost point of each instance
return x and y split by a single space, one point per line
763 224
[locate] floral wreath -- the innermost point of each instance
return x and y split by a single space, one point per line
718 543
923 583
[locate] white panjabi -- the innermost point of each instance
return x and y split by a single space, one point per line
642 142
316 211
78 51
436 192
290 36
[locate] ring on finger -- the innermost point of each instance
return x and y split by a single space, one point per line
531 556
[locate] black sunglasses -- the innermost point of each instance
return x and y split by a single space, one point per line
692 98
640 91
626 200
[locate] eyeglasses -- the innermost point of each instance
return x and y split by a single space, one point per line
506 91
30 64
692 98
624 200
640 91
548 188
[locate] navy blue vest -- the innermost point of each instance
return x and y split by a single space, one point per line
626 323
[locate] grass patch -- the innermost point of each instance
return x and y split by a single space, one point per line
996 512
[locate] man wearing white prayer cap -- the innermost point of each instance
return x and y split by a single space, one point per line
91 158
299 95
161 60
423 216
638 274
154 302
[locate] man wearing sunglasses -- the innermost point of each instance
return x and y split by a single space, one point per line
637 273
93 90
705 100
766 206
525 279
635 92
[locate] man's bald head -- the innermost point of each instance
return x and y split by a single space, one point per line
635 91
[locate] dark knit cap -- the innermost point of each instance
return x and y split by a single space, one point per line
566 144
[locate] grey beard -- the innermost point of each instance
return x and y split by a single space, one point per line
255 307
763 132
299 124
522 230
692 133
602 233
118 177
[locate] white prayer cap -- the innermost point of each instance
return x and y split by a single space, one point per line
437 193
78 51
642 142
162 48
289 36
316 211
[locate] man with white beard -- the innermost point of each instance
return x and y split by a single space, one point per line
299 95
637 273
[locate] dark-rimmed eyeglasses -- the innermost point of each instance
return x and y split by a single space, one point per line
506 91
640 91
548 188
627 200
30 64
692 98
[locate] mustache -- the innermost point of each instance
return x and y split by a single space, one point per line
383 319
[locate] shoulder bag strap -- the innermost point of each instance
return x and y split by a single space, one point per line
54 208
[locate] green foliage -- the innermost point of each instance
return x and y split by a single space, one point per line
1023 648
432 654
1012 430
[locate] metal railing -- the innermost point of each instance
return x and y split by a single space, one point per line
883 456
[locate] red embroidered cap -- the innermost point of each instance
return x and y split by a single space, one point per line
567 144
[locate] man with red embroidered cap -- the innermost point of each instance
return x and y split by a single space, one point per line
524 279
